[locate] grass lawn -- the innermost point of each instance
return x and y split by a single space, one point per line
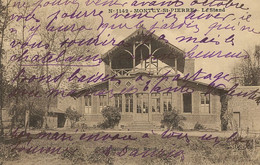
137 149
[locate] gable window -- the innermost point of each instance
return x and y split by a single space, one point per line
129 103
204 103
87 104
118 101
187 103
155 102
167 101
102 102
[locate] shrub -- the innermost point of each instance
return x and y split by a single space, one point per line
198 126
73 115
111 116
172 119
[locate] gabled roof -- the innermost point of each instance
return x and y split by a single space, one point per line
144 34
143 31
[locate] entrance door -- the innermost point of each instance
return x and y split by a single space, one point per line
61 120
142 109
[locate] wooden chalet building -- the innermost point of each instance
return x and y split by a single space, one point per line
145 58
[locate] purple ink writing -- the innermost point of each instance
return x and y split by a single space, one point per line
210 54
98 137
166 135
218 3
176 3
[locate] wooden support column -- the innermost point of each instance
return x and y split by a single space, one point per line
82 100
123 103
110 85
175 96
134 106
110 62
149 107
134 56
150 58
110 70
180 102
92 106
176 64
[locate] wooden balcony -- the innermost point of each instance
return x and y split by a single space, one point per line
122 72
126 72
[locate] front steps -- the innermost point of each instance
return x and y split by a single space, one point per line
142 126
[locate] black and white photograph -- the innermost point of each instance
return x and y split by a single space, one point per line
129 82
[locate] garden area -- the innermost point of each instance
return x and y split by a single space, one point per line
108 146
133 148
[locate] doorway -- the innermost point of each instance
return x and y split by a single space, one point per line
142 107
61 120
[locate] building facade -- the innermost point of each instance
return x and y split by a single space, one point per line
147 82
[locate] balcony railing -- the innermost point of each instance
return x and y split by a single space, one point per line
152 71
122 72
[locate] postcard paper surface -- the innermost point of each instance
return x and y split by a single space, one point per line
129 82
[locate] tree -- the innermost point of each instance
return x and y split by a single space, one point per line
19 34
247 71
4 16
25 37
54 39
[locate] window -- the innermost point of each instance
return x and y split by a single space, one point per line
102 102
167 101
187 103
155 102
118 101
88 104
129 103
142 103
204 103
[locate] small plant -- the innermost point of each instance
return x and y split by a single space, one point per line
73 115
98 157
198 126
172 119
111 116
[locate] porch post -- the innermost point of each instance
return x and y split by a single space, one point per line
175 96
134 106
134 55
175 65
149 107
110 62
150 58
82 101
110 85
123 103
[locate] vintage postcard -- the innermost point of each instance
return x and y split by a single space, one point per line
129 82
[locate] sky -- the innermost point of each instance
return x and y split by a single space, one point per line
243 40
231 17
